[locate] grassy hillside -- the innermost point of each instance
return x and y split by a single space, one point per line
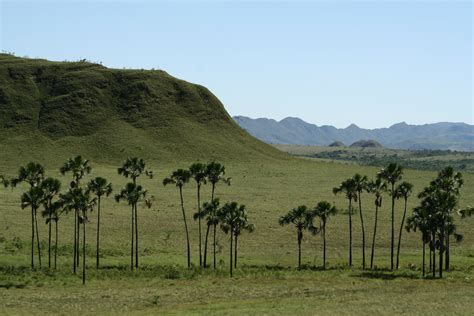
171 124
108 114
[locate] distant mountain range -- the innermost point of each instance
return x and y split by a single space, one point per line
445 135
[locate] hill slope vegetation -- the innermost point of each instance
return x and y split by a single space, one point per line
107 114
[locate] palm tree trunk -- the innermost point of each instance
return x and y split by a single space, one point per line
199 224
447 253
235 253
37 239
56 245
299 248
185 226
84 249
49 240
215 246
350 232
205 245
373 238
393 227
400 234
78 240
363 233
441 251
423 257
75 241
434 255
98 234
231 238
324 244
133 238
32 238
136 236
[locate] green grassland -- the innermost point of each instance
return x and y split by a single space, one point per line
413 159
178 124
266 281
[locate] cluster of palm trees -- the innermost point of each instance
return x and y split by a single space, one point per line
433 218
44 193
231 217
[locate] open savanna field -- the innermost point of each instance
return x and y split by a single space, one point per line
266 280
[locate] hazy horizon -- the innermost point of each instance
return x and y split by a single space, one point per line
342 127
373 64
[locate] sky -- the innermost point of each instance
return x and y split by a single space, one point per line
372 63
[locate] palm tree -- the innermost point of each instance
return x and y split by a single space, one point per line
180 177
377 187
241 225
392 174
361 185
133 194
209 212
53 213
73 201
198 173
215 174
133 168
32 174
233 218
100 187
324 210
348 188
450 182
51 188
78 167
302 218
32 198
404 191
419 220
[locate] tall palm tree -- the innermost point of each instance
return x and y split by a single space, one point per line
32 174
361 185
215 174
324 210
180 177
32 198
302 218
133 194
450 182
100 187
53 214
233 218
198 173
392 174
76 200
51 188
209 212
404 191
376 187
78 167
348 188
133 168
419 220
242 224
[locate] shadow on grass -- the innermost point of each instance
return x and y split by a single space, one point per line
384 274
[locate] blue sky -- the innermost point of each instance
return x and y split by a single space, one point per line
371 63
